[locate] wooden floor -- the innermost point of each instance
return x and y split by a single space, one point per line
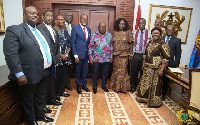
114 108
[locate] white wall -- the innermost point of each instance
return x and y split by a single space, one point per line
13 14
194 23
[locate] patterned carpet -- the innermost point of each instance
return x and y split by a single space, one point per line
114 109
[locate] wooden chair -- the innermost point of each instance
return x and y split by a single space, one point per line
194 91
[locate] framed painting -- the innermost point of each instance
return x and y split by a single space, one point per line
2 22
171 15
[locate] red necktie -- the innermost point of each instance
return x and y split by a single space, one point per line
84 33
141 41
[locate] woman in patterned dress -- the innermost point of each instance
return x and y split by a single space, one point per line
155 59
122 47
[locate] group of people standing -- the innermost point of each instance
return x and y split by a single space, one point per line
41 59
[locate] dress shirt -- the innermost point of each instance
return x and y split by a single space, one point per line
138 42
166 38
100 47
68 25
85 31
49 27
46 64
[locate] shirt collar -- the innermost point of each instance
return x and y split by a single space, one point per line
30 27
47 25
82 26
97 32
142 31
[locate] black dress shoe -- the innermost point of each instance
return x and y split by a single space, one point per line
105 89
46 119
58 98
85 88
34 123
79 90
132 90
94 90
65 95
54 103
69 88
46 110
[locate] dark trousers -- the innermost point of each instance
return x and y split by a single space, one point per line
50 93
136 67
165 85
69 72
33 97
81 67
104 69
61 79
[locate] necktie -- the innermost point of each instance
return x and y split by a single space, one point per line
167 40
141 41
85 33
44 45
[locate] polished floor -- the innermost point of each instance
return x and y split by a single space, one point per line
114 108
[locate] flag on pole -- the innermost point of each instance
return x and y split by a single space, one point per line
195 57
138 16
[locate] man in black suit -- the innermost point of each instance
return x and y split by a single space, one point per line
53 35
175 54
28 56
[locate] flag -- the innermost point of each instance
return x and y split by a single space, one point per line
195 57
138 16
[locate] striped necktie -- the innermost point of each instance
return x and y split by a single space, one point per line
141 41
44 45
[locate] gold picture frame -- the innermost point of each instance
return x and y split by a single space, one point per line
177 16
2 21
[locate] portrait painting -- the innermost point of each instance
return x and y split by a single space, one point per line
171 15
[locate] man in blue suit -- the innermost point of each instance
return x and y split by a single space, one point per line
80 37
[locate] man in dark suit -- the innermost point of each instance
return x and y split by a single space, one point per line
28 56
53 35
68 26
80 38
175 54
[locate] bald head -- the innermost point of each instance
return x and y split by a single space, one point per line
158 23
68 17
102 28
31 16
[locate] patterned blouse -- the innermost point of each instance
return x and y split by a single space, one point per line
65 44
121 43
100 47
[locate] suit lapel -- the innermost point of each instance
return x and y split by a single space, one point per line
30 34
171 40
82 33
47 31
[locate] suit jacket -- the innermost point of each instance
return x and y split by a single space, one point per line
22 53
55 45
79 43
175 51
